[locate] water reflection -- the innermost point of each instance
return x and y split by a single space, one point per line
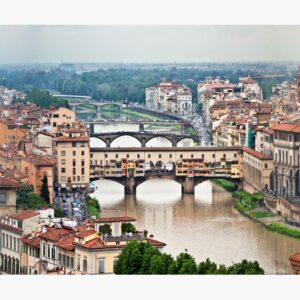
206 224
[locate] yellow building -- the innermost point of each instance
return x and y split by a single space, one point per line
60 117
73 159
8 135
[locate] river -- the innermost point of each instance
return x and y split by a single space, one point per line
206 223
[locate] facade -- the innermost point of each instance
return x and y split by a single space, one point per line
8 135
12 228
258 171
170 97
44 140
286 159
8 189
61 117
73 159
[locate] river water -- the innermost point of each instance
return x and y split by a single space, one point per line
206 223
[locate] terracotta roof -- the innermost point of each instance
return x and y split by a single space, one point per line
114 219
72 139
67 243
287 127
40 160
10 227
75 130
55 234
9 183
155 243
295 257
256 154
269 131
46 133
85 233
24 214
28 239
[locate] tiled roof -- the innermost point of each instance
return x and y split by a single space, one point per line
256 154
295 257
40 160
31 241
24 214
55 234
114 219
67 243
9 227
8 183
72 139
46 133
287 127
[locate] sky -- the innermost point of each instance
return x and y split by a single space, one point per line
148 44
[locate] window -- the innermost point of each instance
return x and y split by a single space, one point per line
63 153
53 253
127 155
202 155
63 161
15 244
149 155
214 155
105 155
74 162
117 155
44 249
91 155
49 252
74 153
82 171
63 178
101 265
84 266
192 155
2 199
82 152
224 155
180 155
54 124
159 155
266 166
71 262
82 163
3 240
234 155
73 144
55 116
138 156
74 171
63 170
10 242
78 263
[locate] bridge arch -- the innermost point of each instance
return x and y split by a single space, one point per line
125 140
97 142
185 142
151 142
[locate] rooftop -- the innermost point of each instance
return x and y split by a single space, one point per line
9 183
114 219
24 214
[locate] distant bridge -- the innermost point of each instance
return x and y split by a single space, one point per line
142 137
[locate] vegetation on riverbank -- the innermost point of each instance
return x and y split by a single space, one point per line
92 207
226 184
142 258
283 229
146 116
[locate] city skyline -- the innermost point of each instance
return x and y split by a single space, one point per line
148 44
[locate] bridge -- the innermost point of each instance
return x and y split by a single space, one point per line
188 166
97 104
142 137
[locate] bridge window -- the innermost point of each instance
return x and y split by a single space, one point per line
91 155
159 155
127 155
266 166
192 155
234 154
74 153
73 144
105 155
202 155
224 155
180 155
149 155
63 170
170 156
82 152
117 155
214 155
138 156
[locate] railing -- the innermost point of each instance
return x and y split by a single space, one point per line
123 237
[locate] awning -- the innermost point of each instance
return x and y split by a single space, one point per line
63 185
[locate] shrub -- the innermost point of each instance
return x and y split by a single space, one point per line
226 184
283 229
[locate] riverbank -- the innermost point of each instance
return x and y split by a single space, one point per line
252 206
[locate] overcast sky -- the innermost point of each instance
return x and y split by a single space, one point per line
150 44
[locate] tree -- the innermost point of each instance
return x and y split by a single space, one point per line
185 264
44 189
245 267
149 254
22 195
58 213
207 267
161 264
128 227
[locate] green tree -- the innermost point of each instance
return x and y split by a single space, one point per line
184 264
44 189
58 213
161 264
148 255
245 267
128 227
207 267
22 195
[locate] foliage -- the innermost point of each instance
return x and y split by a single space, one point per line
246 201
226 184
44 189
128 227
44 99
58 213
261 214
27 199
92 206
141 258
105 229
283 229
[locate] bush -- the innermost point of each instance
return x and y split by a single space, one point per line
283 229
128 227
58 213
226 184
92 206
105 229
261 214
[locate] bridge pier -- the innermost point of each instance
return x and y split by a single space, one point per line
130 186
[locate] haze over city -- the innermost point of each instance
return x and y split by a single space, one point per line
148 44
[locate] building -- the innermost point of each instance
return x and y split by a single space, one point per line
73 159
12 228
61 117
258 171
8 189
44 140
286 159
8 135
170 97
36 167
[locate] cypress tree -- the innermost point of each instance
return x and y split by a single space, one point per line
44 189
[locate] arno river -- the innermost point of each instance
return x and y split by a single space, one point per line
206 224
